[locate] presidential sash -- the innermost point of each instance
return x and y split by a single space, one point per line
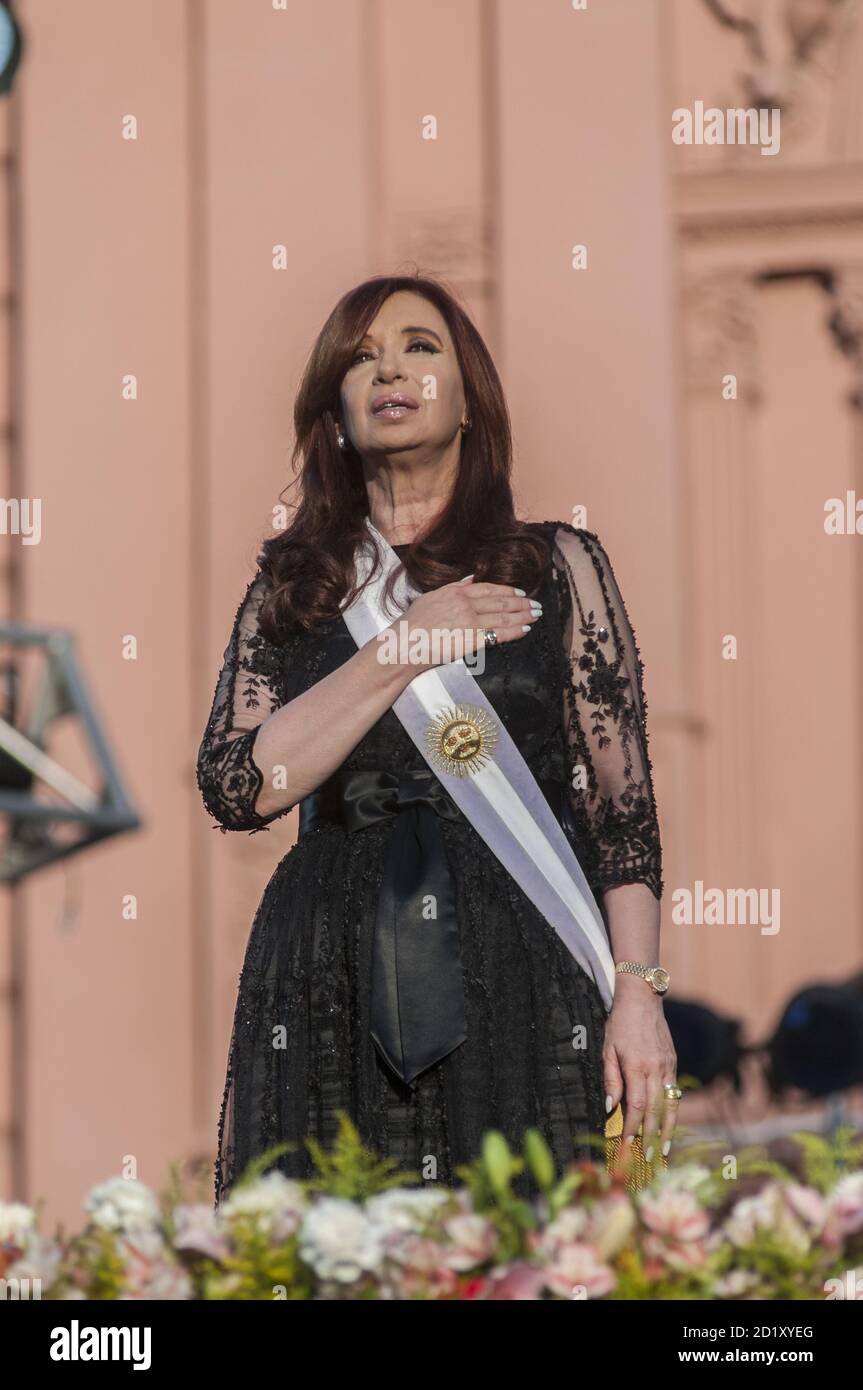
462 738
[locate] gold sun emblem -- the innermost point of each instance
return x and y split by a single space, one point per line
460 739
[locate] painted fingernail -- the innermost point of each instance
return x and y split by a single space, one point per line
535 607
526 627
666 1148
466 579
521 593
649 1155
608 1104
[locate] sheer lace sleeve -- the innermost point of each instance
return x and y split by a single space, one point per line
249 689
605 718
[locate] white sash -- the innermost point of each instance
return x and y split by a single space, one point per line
500 798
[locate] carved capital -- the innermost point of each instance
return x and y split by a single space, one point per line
802 56
780 37
846 321
720 332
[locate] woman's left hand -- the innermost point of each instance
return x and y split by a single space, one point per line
638 1061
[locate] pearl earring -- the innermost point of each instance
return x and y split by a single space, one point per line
340 438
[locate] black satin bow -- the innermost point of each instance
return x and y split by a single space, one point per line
417 1004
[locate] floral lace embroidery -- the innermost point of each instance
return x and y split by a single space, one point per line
606 717
249 689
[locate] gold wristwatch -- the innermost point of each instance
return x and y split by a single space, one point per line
656 976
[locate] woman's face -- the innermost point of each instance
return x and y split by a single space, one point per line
407 353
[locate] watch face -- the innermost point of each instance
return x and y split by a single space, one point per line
661 979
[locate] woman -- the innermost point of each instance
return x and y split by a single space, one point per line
401 422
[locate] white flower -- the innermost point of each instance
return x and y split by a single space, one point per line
850 1187
735 1283
39 1260
123 1204
473 1240
568 1226
17 1224
338 1241
405 1209
806 1203
768 1210
149 1270
197 1227
167 1283
688 1177
748 1216
612 1222
845 1205
276 1204
145 1245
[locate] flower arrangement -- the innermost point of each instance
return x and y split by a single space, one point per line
359 1230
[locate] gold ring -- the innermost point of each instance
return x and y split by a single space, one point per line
672 1092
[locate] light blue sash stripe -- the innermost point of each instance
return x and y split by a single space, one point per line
502 801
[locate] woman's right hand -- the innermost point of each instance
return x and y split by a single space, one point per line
448 623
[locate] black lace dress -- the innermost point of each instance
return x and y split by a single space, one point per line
570 693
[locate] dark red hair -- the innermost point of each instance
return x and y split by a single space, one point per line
310 564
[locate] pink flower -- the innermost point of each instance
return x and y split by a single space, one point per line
675 1213
576 1271
474 1241
612 1222
807 1203
767 1211
682 1255
519 1281
566 1228
149 1270
415 1266
39 1260
416 1253
198 1229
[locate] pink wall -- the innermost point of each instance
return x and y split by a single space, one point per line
259 128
